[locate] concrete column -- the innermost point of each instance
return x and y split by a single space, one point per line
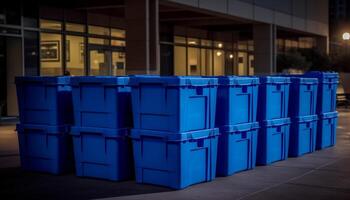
264 36
142 36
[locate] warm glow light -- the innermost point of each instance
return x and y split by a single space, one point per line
192 42
220 45
231 56
219 53
346 36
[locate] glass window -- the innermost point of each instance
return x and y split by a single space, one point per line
242 45
31 53
118 63
179 40
229 59
242 63
75 27
30 15
75 55
180 61
206 43
193 62
192 41
99 63
99 41
251 45
206 62
99 30
251 65
2 16
219 62
120 43
119 33
50 24
13 14
50 54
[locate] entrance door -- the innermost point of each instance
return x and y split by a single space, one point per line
106 61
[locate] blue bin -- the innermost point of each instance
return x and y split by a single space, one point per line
175 160
303 96
45 148
102 153
273 141
102 102
273 97
237 100
302 139
327 130
327 90
174 104
44 100
237 148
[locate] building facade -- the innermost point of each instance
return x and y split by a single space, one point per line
166 37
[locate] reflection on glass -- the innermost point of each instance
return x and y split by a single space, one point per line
206 62
99 63
119 33
99 41
50 54
98 30
219 62
180 61
75 55
118 63
120 43
193 56
193 41
179 40
75 27
50 24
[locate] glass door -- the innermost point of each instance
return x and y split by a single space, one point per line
118 63
100 62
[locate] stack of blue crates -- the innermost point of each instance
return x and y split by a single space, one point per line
174 139
102 121
302 110
273 139
326 107
237 101
45 111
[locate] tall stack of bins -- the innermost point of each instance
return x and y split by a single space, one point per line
102 121
326 107
273 139
174 139
302 110
236 119
45 114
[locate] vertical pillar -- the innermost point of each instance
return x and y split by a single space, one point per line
322 44
264 36
142 36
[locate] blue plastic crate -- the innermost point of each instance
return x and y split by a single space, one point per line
273 141
327 90
303 96
327 130
44 100
237 148
302 138
175 160
102 102
102 153
273 97
237 100
45 148
174 104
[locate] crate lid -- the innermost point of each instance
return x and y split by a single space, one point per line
328 115
63 129
325 77
175 137
102 80
274 79
276 122
238 80
304 80
239 127
308 118
173 80
47 80
105 132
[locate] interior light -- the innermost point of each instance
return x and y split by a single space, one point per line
219 53
346 36
231 55
220 45
192 42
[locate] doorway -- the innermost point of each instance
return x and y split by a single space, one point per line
104 61
10 67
